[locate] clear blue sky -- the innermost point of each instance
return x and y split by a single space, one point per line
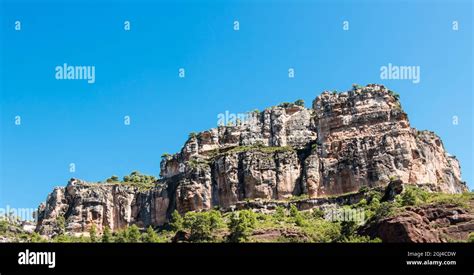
137 75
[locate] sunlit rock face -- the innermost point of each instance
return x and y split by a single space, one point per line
359 138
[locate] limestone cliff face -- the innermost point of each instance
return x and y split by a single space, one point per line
344 142
116 206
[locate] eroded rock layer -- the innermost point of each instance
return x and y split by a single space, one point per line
348 140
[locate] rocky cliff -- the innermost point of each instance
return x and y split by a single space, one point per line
359 138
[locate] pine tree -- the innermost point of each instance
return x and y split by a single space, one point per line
150 236
176 221
241 225
134 235
107 235
93 233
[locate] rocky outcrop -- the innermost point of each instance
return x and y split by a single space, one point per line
359 138
431 223
113 205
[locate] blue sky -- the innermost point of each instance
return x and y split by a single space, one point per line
67 122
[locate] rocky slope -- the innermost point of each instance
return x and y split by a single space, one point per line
428 223
349 140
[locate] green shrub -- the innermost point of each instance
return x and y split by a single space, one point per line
461 200
322 231
134 235
216 219
107 235
36 238
412 195
62 238
385 209
241 225
279 214
3 226
150 236
471 237
176 222
298 218
318 213
113 178
202 225
361 239
394 94
61 224
363 189
93 233
121 236
299 102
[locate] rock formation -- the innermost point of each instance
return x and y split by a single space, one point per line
431 223
359 138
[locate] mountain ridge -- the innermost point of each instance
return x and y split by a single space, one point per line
347 141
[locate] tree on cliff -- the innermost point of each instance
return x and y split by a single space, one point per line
299 102
137 177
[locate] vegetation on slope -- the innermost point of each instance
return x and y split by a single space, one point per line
280 225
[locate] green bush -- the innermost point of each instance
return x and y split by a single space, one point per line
36 238
134 235
93 233
176 222
298 219
121 236
130 234
299 102
394 94
113 179
3 226
62 238
461 200
471 237
322 231
412 195
216 219
279 214
61 224
318 213
107 235
150 236
241 225
202 225
385 209
363 189
361 239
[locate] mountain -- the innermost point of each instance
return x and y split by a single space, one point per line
345 144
